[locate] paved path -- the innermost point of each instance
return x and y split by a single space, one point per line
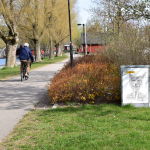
17 98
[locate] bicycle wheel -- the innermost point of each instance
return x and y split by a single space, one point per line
26 78
21 76
24 71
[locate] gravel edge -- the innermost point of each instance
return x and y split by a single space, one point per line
43 103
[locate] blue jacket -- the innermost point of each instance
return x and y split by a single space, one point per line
25 54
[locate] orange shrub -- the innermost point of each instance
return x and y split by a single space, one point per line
92 80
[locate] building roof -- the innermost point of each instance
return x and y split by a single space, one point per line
94 38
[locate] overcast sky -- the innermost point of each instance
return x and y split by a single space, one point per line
83 6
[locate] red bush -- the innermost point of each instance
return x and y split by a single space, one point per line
93 79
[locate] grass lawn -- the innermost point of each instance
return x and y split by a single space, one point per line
88 127
8 72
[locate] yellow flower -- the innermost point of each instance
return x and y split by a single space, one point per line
92 96
85 81
83 98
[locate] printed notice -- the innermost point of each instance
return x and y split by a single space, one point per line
135 85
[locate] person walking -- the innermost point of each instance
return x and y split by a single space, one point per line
25 55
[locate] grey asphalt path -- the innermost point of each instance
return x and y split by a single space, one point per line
18 98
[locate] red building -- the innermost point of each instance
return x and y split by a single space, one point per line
94 42
66 47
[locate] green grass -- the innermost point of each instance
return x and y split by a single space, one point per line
8 72
88 127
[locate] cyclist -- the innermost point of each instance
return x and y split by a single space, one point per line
25 55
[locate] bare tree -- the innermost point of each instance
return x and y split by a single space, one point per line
113 13
35 23
10 13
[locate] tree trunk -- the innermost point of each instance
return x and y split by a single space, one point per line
149 38
118 27
59 51
11 54
51 49
37 51
57 46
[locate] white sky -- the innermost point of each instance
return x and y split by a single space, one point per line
83 6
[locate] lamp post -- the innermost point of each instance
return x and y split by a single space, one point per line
71 55
83 37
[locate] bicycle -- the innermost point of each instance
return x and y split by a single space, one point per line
23 71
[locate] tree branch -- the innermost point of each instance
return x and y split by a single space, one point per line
3 37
